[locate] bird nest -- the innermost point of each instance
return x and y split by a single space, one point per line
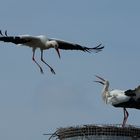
97 130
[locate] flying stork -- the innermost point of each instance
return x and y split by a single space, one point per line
43 43
120 98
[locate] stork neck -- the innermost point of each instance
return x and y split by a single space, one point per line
105 92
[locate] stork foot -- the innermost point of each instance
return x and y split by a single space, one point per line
41 71
52 71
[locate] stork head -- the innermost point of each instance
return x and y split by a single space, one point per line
51 43
105 83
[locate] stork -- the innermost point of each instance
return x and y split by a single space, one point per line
43 43
120 98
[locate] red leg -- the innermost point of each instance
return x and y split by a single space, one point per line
46 63
126 114
41 70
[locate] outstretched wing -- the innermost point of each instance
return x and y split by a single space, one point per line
12 39
21 39
72 46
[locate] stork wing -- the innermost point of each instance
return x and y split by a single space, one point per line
22 39
132 92
17 39
72 46
137 90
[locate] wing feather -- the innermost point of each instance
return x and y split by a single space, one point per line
137 90
14 39
133 92
72 46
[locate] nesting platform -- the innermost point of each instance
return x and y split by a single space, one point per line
98 132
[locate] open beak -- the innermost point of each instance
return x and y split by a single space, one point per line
101 80
57 50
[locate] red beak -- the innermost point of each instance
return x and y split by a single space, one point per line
57 50
100 78
100 82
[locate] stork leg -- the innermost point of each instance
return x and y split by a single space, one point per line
46 63
41 70
126 114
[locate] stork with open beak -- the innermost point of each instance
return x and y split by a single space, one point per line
43 43
120 98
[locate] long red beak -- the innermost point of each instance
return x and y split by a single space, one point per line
100 78
57 50
100 82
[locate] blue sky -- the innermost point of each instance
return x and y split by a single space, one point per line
32 104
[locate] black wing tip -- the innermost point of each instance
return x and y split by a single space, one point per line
98 48
95 49
1 33
5 33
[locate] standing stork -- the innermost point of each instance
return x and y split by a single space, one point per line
120 98
43 43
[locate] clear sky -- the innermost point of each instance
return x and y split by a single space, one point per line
32 104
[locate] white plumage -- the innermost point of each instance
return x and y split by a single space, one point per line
120 98
43 43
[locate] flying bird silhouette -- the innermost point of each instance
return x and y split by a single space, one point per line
44 43
120 98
